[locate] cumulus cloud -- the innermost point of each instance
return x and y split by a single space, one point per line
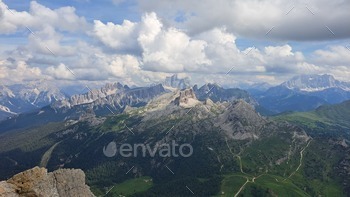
16 72
334 55
196 39
119 37
292 20
168 49
48 41
39 17
60 72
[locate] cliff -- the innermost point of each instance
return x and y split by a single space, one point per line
37 182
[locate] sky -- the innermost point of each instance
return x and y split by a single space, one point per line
139 42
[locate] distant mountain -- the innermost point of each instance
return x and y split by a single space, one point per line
315 83
219 94
304 93
260 86
21 98
110 99
175 82
257 88
92 96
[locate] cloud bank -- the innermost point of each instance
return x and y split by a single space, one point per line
197 40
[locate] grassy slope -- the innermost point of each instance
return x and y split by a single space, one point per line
326 116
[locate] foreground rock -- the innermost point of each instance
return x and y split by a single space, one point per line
37 182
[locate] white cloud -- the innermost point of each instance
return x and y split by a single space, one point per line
168 49
39 17
16 72
334 55
48 41
121 65
119 37
60 72
251 18
202 44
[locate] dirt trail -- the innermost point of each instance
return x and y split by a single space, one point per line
47 155
254 178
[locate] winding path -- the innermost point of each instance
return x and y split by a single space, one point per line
47 155
254 178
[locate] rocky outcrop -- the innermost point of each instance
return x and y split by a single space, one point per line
37 182
241 122
219 94
92 95
175 82
187 99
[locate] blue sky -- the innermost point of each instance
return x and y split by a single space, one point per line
139 42
104 10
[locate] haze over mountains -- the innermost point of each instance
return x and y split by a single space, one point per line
21 98
301 93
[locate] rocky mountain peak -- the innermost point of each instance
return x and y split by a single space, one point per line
38 182
242 110
311 83
187 99
92 95
176 82
241 121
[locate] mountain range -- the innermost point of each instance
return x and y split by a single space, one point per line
175 82
232 145
303 93
22 98
36 103
236 150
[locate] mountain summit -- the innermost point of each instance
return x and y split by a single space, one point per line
187 99
175 82
22 98
313 83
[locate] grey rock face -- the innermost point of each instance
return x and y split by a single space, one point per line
219 94
176 82
311 83
187 97
114 95
21 98
240 121
37 182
